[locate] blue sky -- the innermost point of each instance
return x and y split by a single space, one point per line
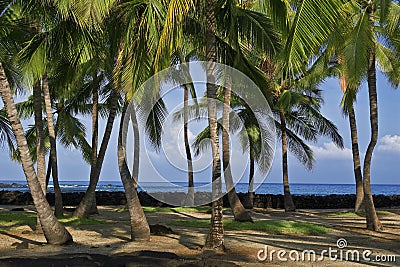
332 164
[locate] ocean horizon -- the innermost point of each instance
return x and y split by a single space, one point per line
260 188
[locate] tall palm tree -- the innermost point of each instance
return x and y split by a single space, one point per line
58 210
88 204
337 44
241 27
239 212
40 149
349 109
83 26
367 24
53 230
302 39
215 237
140 229
180 57
299 117
297 104
138 46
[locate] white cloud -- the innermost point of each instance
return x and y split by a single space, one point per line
331 151
390 143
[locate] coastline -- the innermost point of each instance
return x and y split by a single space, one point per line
265 201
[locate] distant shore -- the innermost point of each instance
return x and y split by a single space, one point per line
260 188
260 201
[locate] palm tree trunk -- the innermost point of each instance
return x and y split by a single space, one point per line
239 212
190 194
289 205
58 204
356 159
251 178
95 142
54 231
140 229
136 147
354 148
373 222
48 172
86 208
40 151
215 237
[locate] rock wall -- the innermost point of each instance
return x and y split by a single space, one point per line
260 200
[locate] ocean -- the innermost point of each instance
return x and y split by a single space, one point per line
264 188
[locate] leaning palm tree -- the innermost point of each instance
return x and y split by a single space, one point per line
69 131
53 230
88 204
53 147
139 227
45 50
136 62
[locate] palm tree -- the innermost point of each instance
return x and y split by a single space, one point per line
337 44
180 57
299 116
42 54
53 148
239 211
40 149
67 129
215 237
368 23
349 109
53 230
88 204
297 104
140 229
190 194
302 39
138 47
242 27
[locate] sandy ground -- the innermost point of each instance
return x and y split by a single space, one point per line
109 244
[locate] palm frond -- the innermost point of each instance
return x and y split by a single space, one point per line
313 23
356 51
7 137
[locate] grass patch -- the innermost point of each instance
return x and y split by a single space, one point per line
9 220
156 209
271 227
174 209
353 214
191 209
